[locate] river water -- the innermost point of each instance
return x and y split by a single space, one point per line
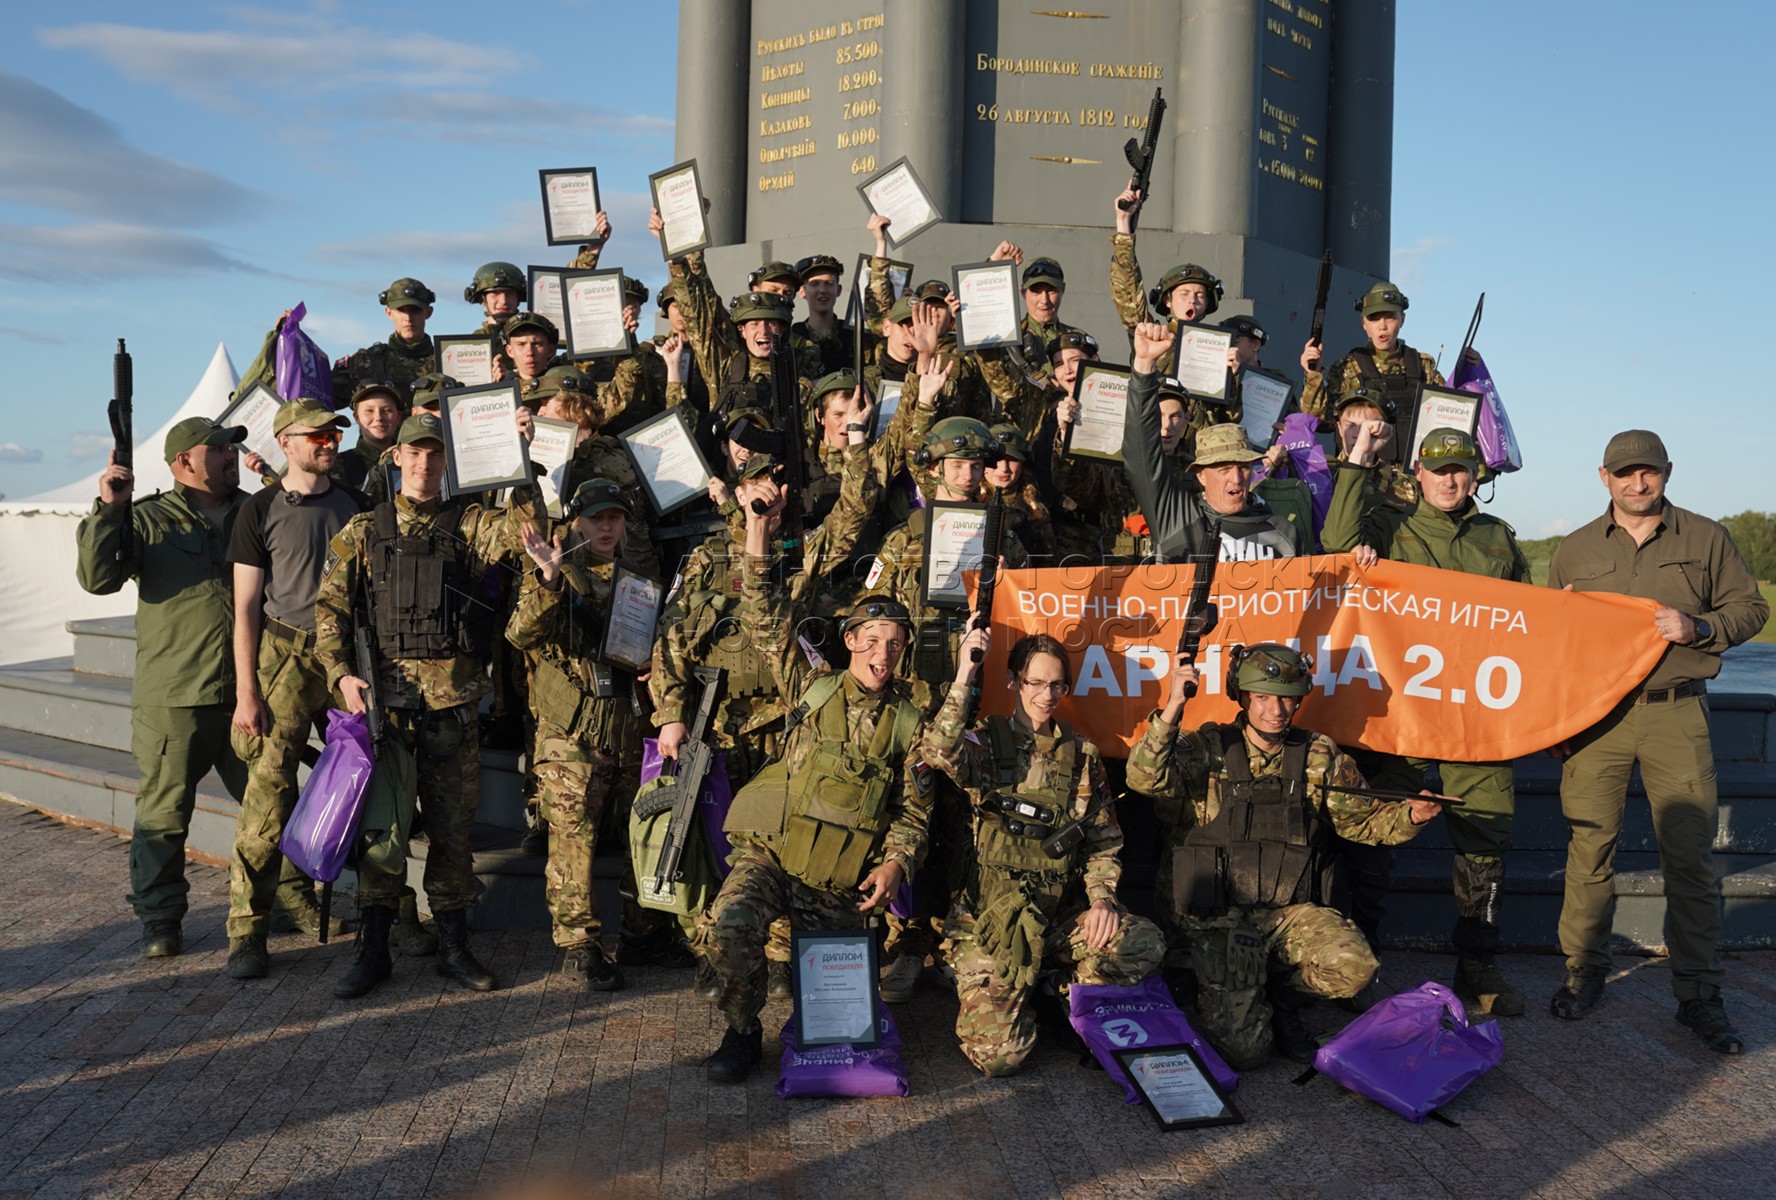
1747 668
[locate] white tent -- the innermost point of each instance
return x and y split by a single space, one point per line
38 591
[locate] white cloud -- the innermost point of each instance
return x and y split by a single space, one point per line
340 335
85 445
12 452
58 155
44 254
303 56
35 336
1410 263
465 116
1557 525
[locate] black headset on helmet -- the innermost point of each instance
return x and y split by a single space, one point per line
1237 655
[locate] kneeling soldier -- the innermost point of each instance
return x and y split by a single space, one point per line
1252 862
1040 892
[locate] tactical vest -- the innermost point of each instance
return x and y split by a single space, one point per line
717 638
1399 387
996 846
1268 845
739 390
425 603
937 638
571 687
835 803
820 492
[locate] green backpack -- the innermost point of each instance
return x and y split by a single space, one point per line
695 889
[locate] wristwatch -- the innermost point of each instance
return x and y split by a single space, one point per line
1704 631
855 427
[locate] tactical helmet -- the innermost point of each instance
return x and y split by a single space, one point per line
406 293
762 463
669 295
495 277
394 391
877 608
563 378
1269 669
1245 326
1012 442
933 291
819 264
842 380
594 496
1383 297
634 290
773 271
1073 339
759 306
518 322
957 437
1161 294
1373 396
1170 386
426 388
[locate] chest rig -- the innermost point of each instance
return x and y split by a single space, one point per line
426 604
1267 845
1400 387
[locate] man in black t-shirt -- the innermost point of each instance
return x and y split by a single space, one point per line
278 550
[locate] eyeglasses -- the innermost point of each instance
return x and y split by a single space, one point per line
1054 687
320 437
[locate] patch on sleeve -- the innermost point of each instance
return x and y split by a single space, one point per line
875 573
672 592
924 779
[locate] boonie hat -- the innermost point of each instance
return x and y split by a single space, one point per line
1224 443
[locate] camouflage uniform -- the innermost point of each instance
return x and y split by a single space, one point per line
833 352
759 888
1044 899
396 361
715 339
428 702
1234 950
581 737
1319 390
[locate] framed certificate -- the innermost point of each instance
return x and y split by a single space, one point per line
570 205
667 460
1102 392
1264 396
1176 1088
1442 408
634 612
483 449
545 294
833 982
887 404
992 305
551 448
955 539
466 359
593 302
1200 361
678 194
256 408
900 278
897 193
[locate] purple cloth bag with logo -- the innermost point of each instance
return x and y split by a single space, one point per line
1110 1018
1307 462
1498 444
1412 1052
843 1070
713 803
302 366
321 827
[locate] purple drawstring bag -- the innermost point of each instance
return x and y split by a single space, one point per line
1110 1018
843 1070
713 803
1498 444
1412 1052
1307 462
302 366
318 836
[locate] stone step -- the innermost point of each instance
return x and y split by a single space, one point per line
105 646
512 882
50 697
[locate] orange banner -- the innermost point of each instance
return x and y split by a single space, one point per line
1408 660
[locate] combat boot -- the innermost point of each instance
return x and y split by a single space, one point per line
412 938
304 916
1708 1017
1291 1038
738 1055
536 839
1479 887
161 938
247 957
372 964
455 960
665 949
777 981
1582 992
901 978
708 983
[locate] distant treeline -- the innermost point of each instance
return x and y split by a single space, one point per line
1753 532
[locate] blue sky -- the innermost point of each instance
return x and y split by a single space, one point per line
180 173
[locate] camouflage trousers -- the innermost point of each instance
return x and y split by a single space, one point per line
746 758
732 938
1306 948
446 749
294 688
573 784
950 848
995 1024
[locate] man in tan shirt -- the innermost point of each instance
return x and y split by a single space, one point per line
1646 546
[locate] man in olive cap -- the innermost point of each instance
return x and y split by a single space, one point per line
412 574
408 352
173 544
277 551
1446 530
1644 545
1384 362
